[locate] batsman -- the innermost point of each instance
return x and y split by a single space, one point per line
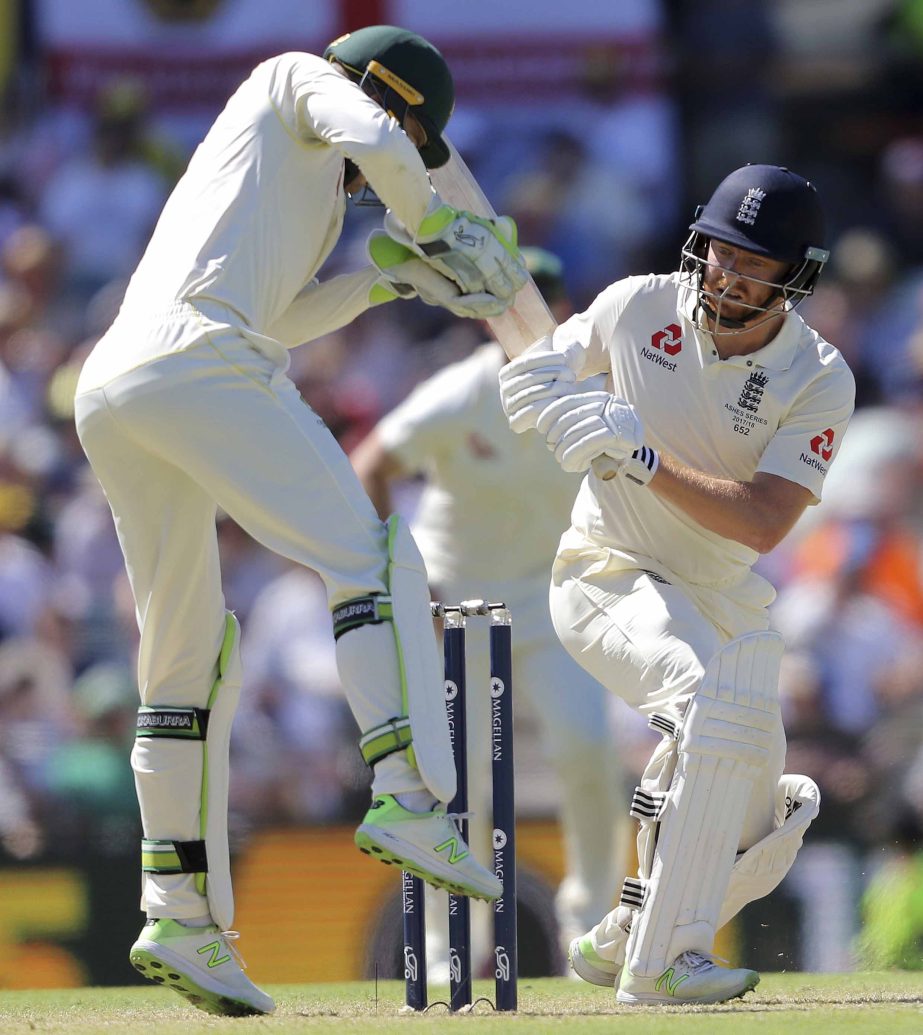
184 406
723 413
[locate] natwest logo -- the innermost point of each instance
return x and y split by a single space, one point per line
822 444
670 339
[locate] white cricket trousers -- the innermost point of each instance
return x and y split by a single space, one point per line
649 643
172 440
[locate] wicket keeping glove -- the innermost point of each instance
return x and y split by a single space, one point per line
580 427
405 275
531 381
478 254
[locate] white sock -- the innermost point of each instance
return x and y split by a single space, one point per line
196 921
416 801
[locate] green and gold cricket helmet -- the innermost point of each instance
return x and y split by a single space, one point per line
401 71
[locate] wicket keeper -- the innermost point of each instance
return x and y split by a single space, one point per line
184 406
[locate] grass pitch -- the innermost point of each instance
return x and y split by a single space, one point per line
783 1004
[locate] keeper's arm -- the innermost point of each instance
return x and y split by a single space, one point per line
758 513
322 307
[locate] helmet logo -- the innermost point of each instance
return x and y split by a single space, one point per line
750 206
403 88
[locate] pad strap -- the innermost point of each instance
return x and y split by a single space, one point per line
174 723
173 856
393 735
647 805
371 610
664 725
633 892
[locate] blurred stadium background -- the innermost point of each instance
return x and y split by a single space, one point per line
599 126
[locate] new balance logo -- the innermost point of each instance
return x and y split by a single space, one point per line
214 948
452 845
666 982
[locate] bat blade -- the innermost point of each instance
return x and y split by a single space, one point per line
529 317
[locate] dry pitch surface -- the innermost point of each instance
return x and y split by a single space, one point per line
783 1004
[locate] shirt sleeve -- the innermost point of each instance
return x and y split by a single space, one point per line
324 306
431 418
809 438
591 331
329 107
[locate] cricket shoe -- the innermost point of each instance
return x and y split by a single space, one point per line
692 978
586 962
426 844
200 964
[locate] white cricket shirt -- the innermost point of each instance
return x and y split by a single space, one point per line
495 504
255 215
782 410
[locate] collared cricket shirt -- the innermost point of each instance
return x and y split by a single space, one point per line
782 410
257 212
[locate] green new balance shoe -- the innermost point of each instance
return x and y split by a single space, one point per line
427 844
693 977
586 963
200 964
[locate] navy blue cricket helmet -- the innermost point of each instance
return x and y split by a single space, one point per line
768 210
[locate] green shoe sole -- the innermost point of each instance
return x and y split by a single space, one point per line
365 844
149 966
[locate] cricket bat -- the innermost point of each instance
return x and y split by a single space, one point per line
529 317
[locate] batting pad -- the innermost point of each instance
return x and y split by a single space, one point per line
757 872
724 743
182 772
422 677
760 869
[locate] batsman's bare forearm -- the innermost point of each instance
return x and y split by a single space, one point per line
759 513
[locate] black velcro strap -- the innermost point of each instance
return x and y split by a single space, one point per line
174 723
376 744
370 610
435 248
173 856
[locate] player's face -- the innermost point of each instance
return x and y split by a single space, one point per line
414 130
355 185
740 279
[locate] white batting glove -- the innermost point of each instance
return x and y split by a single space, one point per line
405 275
580 427
480 255
532 380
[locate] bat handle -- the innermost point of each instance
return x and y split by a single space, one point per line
605 468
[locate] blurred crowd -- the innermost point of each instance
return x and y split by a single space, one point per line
611 189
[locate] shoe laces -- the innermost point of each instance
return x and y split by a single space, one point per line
230 937
457 816
696 961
